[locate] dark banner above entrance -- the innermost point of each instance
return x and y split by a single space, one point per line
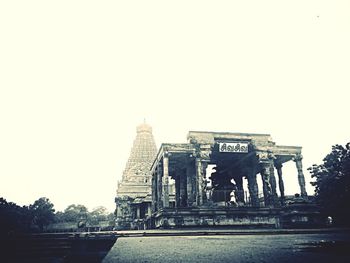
233 147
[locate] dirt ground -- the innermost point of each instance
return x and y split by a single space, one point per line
294 248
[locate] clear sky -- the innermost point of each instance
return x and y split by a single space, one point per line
77 77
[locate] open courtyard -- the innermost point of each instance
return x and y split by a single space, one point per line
301 247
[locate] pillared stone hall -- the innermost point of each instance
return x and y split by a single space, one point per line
212 180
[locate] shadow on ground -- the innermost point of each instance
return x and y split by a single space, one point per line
330 247
56 248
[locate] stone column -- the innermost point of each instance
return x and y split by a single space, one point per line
253 188
298 161
159 187
202 157
149 210
183 192
189 183
138 212
154 192
177 190
273 185
280 181
165 181
204 181
199 180
265 176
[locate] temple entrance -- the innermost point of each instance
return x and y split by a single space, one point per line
227 178
222 188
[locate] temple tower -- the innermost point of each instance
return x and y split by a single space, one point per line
135 187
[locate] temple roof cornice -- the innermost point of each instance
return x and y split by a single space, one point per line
171 148
212 137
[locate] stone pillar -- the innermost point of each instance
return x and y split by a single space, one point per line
154 192
253 188
265 176
165 181
189 183
177 191
204 181
183 192
298 161
280 181
199 180
273 185
138 212
149 210
159 187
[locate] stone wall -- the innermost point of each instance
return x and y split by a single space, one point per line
189 217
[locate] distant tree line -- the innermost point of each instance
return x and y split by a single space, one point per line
79 215
37 216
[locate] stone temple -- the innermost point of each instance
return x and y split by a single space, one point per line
212 180
134 191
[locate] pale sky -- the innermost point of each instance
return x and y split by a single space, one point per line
77 77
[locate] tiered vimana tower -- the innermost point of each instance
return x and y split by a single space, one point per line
134 194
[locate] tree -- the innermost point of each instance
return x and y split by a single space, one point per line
43 212
80 215
14 218
73 213
332 183
97 215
